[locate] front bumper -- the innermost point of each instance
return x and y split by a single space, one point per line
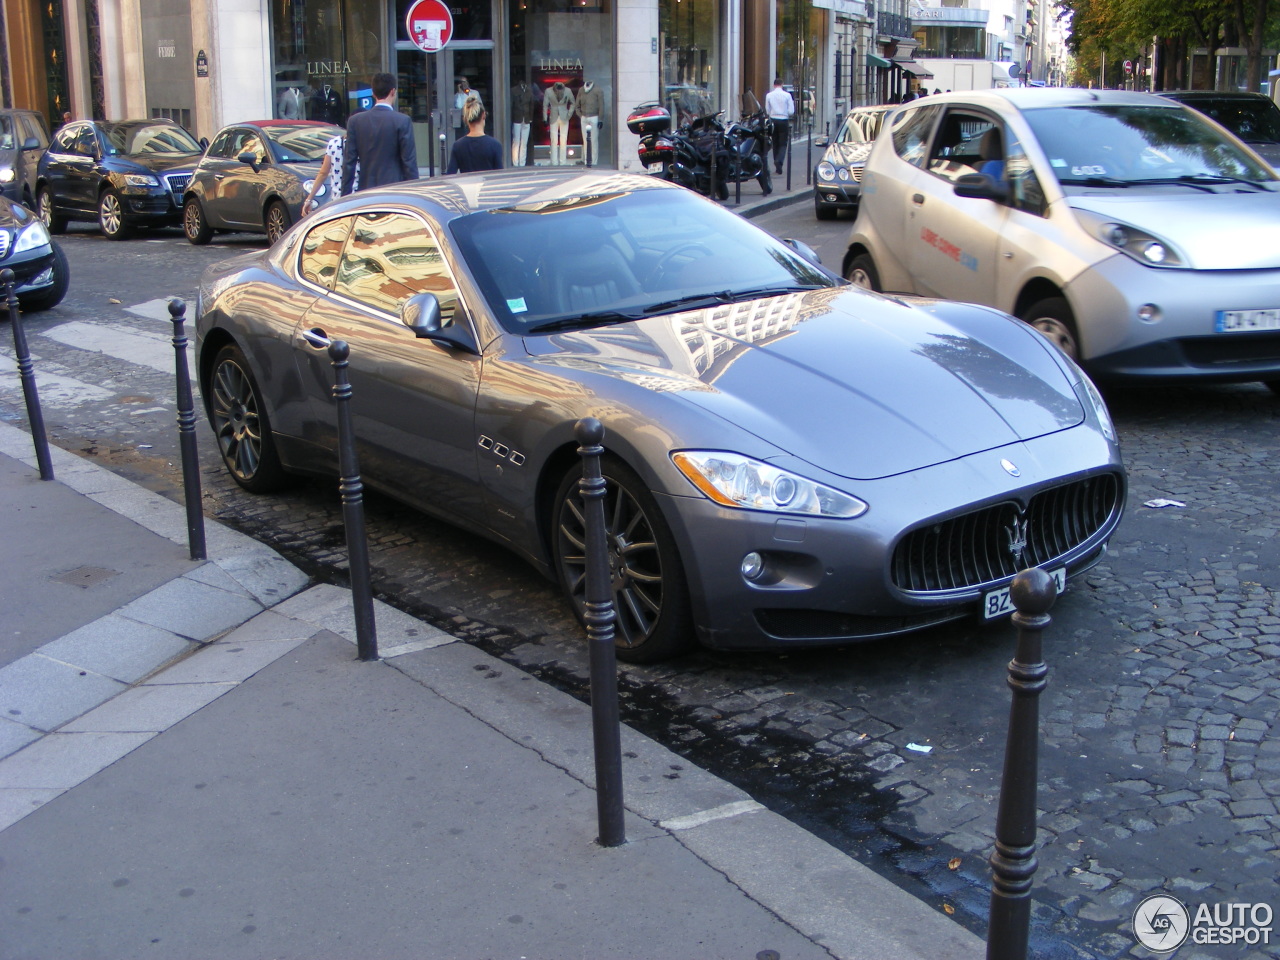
1182 343
150 204
32 269
830 581
839 194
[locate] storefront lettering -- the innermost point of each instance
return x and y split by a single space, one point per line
328 68
558 63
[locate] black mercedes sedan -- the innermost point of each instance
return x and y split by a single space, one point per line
40 271
123 174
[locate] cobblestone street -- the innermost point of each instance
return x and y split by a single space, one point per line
1160 763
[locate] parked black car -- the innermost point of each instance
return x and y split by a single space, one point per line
123 174
1253 117
255 177
39 266
23 137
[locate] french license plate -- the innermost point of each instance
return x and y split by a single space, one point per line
1246 321
997 602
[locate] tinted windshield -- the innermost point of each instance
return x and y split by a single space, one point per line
1136 143
301 144
861 127
145 137
623 252
1253 121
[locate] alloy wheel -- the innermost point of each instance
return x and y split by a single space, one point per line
110 215
236 422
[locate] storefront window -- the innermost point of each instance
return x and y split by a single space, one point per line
801 27
690 57
562 83
326 53
950 42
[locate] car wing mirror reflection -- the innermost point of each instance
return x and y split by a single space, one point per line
979 186
802 248
421 314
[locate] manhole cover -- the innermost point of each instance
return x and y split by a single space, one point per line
86 576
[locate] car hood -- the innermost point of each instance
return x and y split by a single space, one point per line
1213 231
160 163
844 154
861 386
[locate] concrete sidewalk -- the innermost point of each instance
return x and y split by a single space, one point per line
196 765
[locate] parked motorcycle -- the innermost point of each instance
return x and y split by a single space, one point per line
740 150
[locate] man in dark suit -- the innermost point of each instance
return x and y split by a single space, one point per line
380 141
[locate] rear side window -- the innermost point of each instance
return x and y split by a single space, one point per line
388 259
910 132
62 142
322 250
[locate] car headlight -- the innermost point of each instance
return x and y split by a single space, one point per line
732 480
35 235
308 184
826 170
140 180
1105 423
7 175
843 173
1142 246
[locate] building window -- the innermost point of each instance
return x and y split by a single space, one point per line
689 31
800 29
326 53
955 43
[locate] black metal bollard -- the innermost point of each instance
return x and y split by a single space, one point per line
187 433
715 148
353 507
27 373
1014 860
788 157
808 155
599 614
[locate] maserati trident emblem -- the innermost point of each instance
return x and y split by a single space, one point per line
1010 468
1017 538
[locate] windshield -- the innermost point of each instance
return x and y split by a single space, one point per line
861 126
1126 144
299 144
148 137
621 256
1253 121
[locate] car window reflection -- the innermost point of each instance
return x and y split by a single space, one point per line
389 258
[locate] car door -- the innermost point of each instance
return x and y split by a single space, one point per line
952 241
246 184
32 129
893 174
413 400
69 167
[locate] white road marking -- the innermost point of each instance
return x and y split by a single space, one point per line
707 816
53 389
152 309
146 349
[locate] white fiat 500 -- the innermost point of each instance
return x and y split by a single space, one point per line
1135 233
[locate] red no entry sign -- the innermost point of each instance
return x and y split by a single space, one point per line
429 25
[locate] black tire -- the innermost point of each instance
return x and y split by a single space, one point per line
824 211
649 591
1053 318
51 295
111 217
241 424
45 211
276 221
194 224
862 272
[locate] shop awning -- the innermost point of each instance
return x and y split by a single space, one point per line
880 62
913 68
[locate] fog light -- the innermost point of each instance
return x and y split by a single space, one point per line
752 566
1150 313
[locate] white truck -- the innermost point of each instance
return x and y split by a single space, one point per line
970 74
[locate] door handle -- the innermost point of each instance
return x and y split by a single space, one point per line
316 337
917 199
219 176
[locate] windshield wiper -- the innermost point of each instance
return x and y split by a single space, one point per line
583 321
731 296
1204 179
1096 182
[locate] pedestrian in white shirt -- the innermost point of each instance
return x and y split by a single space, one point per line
780 108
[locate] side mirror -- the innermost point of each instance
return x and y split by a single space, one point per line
822 141
802 248
250 159
979 186
421 314
204 143
31 143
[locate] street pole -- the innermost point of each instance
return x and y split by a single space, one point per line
187 433
27 374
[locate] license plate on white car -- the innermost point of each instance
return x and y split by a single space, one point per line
997 602
1246 321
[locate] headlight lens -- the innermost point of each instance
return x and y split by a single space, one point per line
826 170
1105 423
35 235
732 480
843 173
140 180
7 175
1142 246
308 184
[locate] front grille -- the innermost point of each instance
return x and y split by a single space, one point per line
177 184
974 549
855 173
6 238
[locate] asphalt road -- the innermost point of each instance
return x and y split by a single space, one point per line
1160 764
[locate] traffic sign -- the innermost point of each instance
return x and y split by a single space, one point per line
429 25
1128 66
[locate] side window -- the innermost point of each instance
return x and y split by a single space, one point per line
321 250
221 146
34 128
86 143
389 258
248 142
65 137
910 131
966 142
1025 192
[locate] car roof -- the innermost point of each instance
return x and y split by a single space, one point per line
1212 95
463 194
283 123
1030 98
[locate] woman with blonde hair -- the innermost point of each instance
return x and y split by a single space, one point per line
477 150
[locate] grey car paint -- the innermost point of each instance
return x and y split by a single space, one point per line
1128 319
911 407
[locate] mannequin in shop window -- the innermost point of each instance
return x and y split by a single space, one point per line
523 102
557 110
590 110
326 104
289 106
